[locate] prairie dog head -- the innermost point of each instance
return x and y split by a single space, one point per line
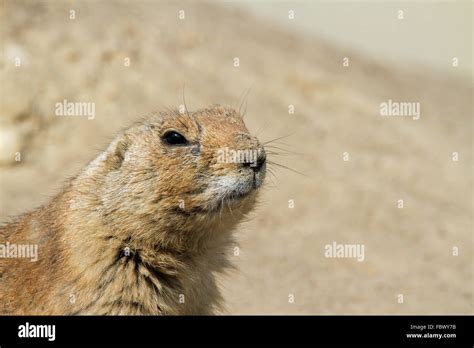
182 172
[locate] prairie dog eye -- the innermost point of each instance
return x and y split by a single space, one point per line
174 138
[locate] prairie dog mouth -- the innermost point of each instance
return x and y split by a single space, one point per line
232 189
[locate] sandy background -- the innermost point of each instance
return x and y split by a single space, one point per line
408 251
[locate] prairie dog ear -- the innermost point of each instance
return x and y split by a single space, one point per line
111 159
115 153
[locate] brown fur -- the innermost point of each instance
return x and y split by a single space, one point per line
129 197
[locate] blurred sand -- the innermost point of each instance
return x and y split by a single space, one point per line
407 251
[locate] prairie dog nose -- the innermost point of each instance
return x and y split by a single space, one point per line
258 162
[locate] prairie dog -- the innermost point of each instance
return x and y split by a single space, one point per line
144 227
